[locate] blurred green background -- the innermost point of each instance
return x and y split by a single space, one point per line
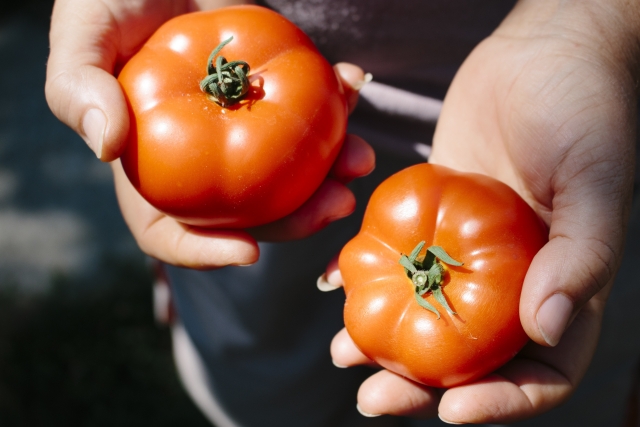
78 342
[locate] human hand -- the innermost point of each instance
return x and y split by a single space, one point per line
545 106
168 240
83 92
90 42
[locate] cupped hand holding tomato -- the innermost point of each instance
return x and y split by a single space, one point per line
234 138
82 92
538 106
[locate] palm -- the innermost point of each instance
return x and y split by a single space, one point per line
517 110
549 123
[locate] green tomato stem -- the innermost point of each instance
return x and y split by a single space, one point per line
427 275
226 82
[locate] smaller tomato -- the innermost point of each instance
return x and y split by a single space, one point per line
206 161
447 315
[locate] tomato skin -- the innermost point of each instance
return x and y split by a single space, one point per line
242 166
477 220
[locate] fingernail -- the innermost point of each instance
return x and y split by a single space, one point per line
94 124
324 285
366 79
337 365
330 282
449 422
366 414
553 317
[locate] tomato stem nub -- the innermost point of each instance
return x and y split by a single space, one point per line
226 82
427 274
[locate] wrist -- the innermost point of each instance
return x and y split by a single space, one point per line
607 32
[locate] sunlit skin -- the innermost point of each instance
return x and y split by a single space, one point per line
478 221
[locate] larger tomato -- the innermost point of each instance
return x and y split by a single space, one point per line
392 312
240 165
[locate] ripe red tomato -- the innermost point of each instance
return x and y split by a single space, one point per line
244 164
478 221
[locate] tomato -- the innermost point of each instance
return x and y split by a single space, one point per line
232 166
466 218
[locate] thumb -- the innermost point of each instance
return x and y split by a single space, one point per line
352 79
583 253
80 88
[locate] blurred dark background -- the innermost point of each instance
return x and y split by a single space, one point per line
78 342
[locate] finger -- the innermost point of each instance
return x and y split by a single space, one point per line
330 202
178 244
197 248
88 40
80 89
389 393
583 253
495 399
344 352
538 379
331 279
356 159
352 79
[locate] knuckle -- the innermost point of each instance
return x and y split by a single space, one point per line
598 264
